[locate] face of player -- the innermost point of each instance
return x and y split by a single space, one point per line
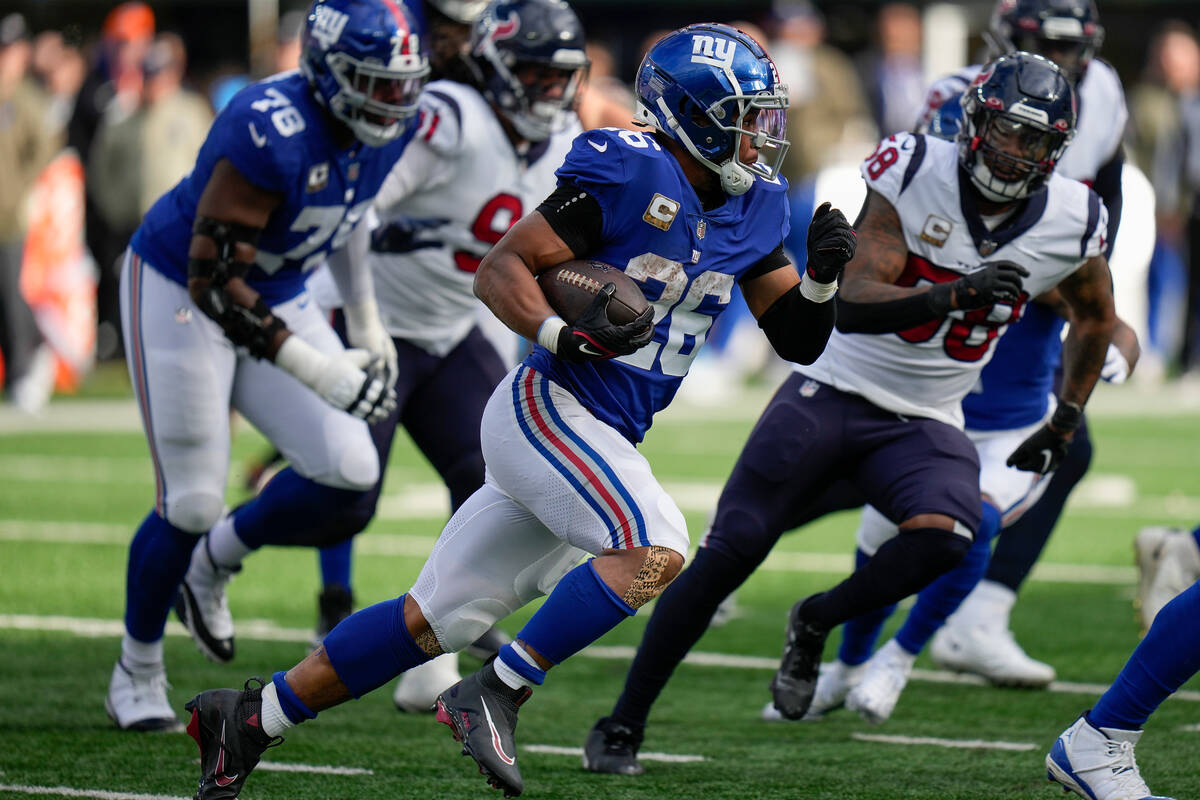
543 83
386 97
1013 149
1070 56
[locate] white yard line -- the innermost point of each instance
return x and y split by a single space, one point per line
556 750
965 744
315 769
97 794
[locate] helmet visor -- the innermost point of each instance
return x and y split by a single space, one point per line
761 119
1015 151
1071 55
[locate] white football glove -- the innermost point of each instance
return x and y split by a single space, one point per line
350 380
1116 368
364 329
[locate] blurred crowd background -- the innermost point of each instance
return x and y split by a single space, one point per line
103 107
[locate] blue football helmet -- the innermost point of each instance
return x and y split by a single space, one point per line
364 61
1018 118
707 86
946 122
527 57
1068 32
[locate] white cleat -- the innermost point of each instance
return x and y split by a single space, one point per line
989 652
137 700
885 676
203 607
1178 568
1097 763
835 680
418 688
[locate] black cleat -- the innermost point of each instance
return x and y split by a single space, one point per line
488 645
227 725
482 714
796 679
612 748
334 604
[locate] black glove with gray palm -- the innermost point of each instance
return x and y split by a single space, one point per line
593 337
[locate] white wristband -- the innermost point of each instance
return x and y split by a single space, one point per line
547 333
301 360
817 292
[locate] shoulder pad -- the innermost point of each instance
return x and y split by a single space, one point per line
441 123
891 168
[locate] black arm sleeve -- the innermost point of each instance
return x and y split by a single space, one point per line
776 259
798 328
1108 186
894 315
575 216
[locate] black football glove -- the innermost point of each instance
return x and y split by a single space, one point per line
998 281
1046 447
831 243
593 337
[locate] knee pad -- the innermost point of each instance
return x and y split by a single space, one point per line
195 512
941 550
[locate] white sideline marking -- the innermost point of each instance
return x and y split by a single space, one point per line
316 769
556 750
966 744
417 546
1193 728
265 630
98 794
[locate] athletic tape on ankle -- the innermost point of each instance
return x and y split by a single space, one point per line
293 707
512 657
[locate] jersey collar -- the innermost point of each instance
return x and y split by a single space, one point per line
989 241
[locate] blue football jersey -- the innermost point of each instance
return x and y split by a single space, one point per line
276 136
1014 387
685 259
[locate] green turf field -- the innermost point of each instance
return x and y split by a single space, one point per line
72 501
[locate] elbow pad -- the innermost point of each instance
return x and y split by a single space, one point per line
226 235
797 327
892 316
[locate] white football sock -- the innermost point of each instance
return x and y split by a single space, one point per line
989 605
510 676
137 655
226 549
274 721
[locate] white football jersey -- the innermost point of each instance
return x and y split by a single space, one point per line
1098 131
925 371
459 186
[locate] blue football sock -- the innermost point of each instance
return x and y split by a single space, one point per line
158 559
860 634
580 610
370 647
335 564
287 504
1164 661
289 702
937 601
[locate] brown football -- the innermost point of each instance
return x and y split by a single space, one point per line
571 286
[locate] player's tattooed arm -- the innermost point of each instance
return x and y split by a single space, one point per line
880 256
231 199
1089 298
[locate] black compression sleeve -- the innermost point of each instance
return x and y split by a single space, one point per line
1108 186
798 328
575 216
894 315
776 259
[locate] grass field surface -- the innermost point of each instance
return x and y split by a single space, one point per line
74 495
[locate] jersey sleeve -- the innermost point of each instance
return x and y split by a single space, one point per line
440 126
597 165
259 144
1110 95
894 164
1094 241
419 168
942 90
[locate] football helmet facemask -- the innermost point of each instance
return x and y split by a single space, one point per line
1018 118
1068 32
364 61
709 86
528 59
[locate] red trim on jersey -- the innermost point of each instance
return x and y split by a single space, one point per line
432 126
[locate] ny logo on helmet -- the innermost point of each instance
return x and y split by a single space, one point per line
713 52
328 25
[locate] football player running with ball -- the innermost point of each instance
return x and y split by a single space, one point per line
215 315
686 210
954 240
